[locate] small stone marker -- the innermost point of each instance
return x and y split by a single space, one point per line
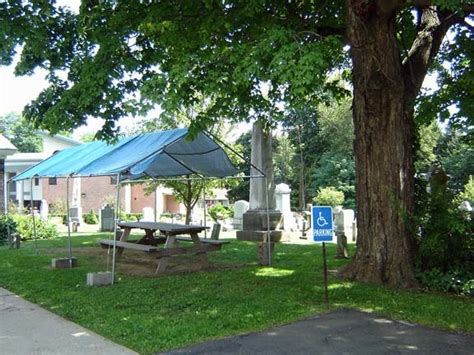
216 230
63 263
148 215
339 222
99 278
240 207
107 219
282 197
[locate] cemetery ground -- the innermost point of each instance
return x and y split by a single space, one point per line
234 296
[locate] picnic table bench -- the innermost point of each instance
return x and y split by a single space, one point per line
172 233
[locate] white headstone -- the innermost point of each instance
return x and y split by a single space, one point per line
148 215
44 210
349 224
282 197
465 206
339 220
240 207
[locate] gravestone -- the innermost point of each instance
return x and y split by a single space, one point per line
44 210
75 215
107 219
258 224
466 210
349 217
147 215
339 229
282 200
240 207
63 263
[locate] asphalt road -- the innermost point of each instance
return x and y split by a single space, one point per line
341 332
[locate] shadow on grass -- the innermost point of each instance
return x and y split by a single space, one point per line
237 297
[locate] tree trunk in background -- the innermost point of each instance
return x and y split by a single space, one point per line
188 203
384 137
3 191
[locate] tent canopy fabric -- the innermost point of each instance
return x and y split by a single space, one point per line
157 154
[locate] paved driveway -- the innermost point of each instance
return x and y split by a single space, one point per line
341 332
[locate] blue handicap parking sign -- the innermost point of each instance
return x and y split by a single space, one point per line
322 223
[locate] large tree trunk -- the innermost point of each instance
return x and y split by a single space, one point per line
384 137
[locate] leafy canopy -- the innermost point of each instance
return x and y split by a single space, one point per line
249 59
20 133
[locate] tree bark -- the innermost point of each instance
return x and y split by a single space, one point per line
384 139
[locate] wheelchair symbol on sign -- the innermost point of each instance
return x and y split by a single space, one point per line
321 221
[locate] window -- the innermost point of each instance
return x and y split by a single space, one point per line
113 180
37 182
52 181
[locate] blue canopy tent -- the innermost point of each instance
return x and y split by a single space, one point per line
156 155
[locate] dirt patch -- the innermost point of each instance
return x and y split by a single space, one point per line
143 264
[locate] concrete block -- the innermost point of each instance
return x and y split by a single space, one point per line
63 263
257 220
99 278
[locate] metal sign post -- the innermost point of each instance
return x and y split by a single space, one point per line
322 224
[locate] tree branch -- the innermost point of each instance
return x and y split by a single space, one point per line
433 28
387 7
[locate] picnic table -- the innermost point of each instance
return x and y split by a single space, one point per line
171 233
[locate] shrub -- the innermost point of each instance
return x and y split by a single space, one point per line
129 217
445 257
219 212
468 193
24 227
90 218
445 237
7 224
329 196
460 282
57 208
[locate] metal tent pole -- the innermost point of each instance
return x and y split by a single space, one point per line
68 211
33 216
156 203
117 204
205 210
268 224
5 204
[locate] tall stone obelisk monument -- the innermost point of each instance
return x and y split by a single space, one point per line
262 191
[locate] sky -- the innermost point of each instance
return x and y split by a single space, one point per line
16 92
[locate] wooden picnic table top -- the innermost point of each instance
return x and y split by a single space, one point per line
163 227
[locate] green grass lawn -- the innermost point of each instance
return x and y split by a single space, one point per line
149 314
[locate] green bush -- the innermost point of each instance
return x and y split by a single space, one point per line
445 236
468 193
90 218
329 196
129 217
24 227
460 282
7 224
219 212
445 255
57 208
